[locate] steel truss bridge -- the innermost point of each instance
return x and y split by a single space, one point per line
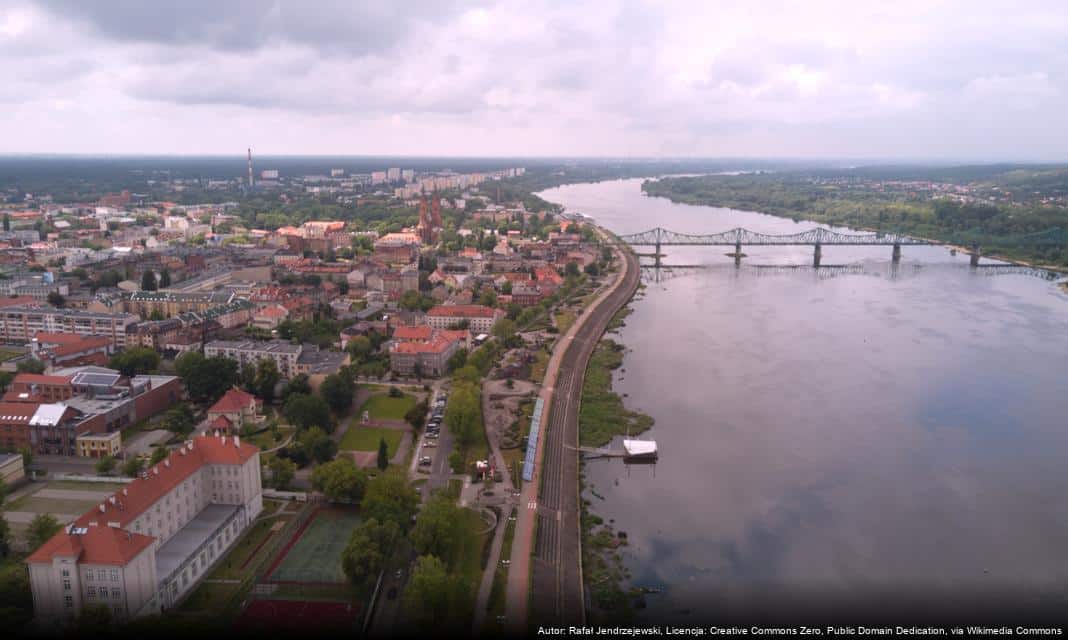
820 236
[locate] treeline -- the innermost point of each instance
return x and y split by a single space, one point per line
797 197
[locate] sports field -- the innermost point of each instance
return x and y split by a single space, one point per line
315 555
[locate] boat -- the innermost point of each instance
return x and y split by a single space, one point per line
640 448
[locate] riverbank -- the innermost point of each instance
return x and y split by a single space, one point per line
940 221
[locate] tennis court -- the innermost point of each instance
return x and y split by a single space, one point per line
314 555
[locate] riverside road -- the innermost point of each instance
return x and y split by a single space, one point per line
550 578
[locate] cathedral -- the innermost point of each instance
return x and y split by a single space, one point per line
429 227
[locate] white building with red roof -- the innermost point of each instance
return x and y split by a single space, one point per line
142 550
479 318
233 411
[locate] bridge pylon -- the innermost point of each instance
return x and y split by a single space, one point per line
817 254
896 255
976 253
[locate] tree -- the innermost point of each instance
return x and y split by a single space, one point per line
434 597
297 384
56 299
504 329
27 457
383 454
30 365
179 419
463 414
5 380
571 269
282 472
267 377
135 361
132 467
340 480
439 529
206 379
369 547
165 278
303 411
456 360
95 619
359 347
337 390
5 537
317 445
389 497
148 280
105 465
7 222
41 529
159 454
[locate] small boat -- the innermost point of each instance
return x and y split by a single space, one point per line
640 448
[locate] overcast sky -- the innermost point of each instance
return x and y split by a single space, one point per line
975 80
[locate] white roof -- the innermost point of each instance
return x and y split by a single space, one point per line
48 415
639 447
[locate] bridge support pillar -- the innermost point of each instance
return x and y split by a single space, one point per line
658 253
976 253
737 254
896 256
816 255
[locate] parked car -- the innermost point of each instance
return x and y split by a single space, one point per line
425 461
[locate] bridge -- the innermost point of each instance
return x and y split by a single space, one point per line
820 236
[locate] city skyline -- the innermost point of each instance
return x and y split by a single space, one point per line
600 79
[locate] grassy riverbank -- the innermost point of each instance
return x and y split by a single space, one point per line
602 415
869 207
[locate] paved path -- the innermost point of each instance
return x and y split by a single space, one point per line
556 579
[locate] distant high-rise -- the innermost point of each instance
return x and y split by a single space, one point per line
250 167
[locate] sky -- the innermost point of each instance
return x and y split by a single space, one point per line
978 80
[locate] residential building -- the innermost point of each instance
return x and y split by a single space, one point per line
20 324
233 411
11 469
283 353
98 445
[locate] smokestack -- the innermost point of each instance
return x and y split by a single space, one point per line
250 167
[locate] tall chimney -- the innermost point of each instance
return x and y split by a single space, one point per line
250 167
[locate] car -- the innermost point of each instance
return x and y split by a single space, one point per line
399 574
425 461
432 436
430 445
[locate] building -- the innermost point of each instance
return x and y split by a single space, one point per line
65 350
397 248
425 357
98 445
233 411
142 550
284 354
479 318
11 470
20 324
34 387
172 303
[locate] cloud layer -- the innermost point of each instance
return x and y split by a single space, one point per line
908 79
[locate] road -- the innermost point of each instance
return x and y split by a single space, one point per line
551 569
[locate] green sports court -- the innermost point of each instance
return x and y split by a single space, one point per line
314 554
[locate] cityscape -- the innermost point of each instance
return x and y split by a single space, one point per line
633 333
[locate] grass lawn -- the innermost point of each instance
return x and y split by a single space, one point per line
51 505
541 362
359 438
266 441
78 485
564 320
383 407
6 355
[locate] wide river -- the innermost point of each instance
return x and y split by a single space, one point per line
889 440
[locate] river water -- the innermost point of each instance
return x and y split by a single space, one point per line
885 440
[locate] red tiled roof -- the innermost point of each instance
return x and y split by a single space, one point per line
437 345
421 332
232 401
99 544
17 412
462 311
39 378
19 300
117 546
221 422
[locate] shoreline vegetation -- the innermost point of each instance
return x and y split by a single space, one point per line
869 208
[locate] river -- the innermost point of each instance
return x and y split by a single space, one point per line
885 440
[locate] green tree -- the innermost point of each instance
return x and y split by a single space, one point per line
305 411
206 379
463 415
16 599
105 465
41 529
359 347
282 472
504 329
267 377
5 537
439 528
179 419
297 384
30 365
369 548
340 480
337 390
148 280
159 454
56 299
7 222
571 269
317 445
94 620
435 598
389 497
165 278
5 380
383 454
132 466
135 361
